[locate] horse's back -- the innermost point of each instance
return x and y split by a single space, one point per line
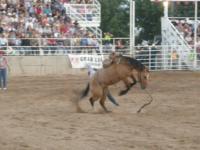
111 74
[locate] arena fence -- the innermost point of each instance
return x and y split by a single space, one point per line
156 57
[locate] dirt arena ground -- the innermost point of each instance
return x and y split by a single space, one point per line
39 113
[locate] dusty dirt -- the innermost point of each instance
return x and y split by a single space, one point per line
39 113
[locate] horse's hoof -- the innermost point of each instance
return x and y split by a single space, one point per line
79 110
108 111
122 93
117 104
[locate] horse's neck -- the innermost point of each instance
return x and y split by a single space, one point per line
131 62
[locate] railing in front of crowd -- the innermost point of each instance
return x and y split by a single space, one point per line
61 46
156 57
167 57
84 14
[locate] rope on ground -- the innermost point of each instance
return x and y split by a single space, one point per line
140 109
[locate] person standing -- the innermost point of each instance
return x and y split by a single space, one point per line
3 71
174 57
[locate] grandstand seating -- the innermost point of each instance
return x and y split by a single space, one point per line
36 25
179 34
52 27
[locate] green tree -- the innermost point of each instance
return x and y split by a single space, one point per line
148 17
115 17
181 9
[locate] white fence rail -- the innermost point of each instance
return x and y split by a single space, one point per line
167 57
61 46
162 57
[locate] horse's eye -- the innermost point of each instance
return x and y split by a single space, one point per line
145 77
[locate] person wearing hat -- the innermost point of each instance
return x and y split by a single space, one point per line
3 71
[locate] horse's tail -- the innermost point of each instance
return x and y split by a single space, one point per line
86 91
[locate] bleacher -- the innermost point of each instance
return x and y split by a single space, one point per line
42 27
178 34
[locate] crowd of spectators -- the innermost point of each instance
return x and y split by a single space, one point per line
186 28
24 22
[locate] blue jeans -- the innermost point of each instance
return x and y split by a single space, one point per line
3 78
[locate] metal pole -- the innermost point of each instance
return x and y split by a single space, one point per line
132 27
195 34
165 3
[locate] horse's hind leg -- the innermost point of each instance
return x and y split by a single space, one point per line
102 100
102 103
91 101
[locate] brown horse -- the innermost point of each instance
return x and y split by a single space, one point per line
120 69
114 58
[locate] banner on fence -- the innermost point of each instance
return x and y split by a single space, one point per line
82 61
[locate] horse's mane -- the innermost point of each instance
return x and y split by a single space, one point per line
133 62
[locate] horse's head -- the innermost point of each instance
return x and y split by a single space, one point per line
143 77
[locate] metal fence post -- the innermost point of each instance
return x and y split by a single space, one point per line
149 57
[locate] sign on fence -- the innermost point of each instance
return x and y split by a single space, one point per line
82 61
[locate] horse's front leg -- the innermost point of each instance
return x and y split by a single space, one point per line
128 86
134 80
